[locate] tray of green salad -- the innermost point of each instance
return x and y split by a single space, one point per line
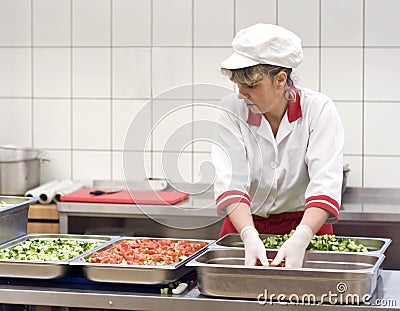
46 256
319 243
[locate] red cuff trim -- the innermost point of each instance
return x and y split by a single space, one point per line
232 192
325 202
230 197
224 204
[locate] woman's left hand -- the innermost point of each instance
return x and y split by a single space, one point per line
293 250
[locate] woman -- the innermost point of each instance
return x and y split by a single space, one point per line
283 141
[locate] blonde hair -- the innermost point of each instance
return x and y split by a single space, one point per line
249 76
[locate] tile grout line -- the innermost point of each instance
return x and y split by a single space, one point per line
363 103
394 47
111 89
71 88
178 99
151 88
32 82
193 107
320 48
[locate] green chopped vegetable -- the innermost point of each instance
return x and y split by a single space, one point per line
48 249
325 242
164 291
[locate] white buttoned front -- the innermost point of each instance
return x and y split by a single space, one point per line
308 148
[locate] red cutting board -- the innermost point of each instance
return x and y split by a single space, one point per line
126 197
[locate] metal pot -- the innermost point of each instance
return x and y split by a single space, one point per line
346 172
19 169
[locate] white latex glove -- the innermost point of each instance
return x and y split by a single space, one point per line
254 248
294 248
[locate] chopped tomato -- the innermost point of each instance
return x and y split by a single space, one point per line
147 252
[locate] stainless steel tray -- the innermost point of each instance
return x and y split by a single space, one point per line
221 273
14 216
374 245
136 274
38 269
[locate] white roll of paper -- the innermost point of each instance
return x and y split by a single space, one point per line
47 195
35 192
68 189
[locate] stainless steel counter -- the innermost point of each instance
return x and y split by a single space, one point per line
359 204
387 296
365 212
371 204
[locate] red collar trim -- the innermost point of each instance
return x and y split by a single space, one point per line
294 108
293 112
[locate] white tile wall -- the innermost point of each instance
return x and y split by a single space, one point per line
203 169
342 73
91 165
52 123
173 165
379 171
301 17
204 124
16 124
307 73
381 126
91 22
59 165
15 23
249 12
171 68
131 73
15 72
75 73
140 161
131 22
381 78
51 29
351 114
172 126
123 114
355 177
382 23
340 17
91 124
91 72
213 22
206 66
172 23
51 62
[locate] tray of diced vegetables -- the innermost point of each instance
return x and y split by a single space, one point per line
141 260
324 243
45 256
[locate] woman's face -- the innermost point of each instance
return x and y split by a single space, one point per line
265 96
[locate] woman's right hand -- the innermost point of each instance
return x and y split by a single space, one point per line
253 246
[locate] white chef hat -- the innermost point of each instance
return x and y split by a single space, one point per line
264 44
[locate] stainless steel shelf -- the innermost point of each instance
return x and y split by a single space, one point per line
78 297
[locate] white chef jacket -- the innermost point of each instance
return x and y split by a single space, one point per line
301 167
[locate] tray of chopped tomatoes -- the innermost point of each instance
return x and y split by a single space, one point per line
141 260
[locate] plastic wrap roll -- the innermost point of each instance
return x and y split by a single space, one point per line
35 192
47 195
68 189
